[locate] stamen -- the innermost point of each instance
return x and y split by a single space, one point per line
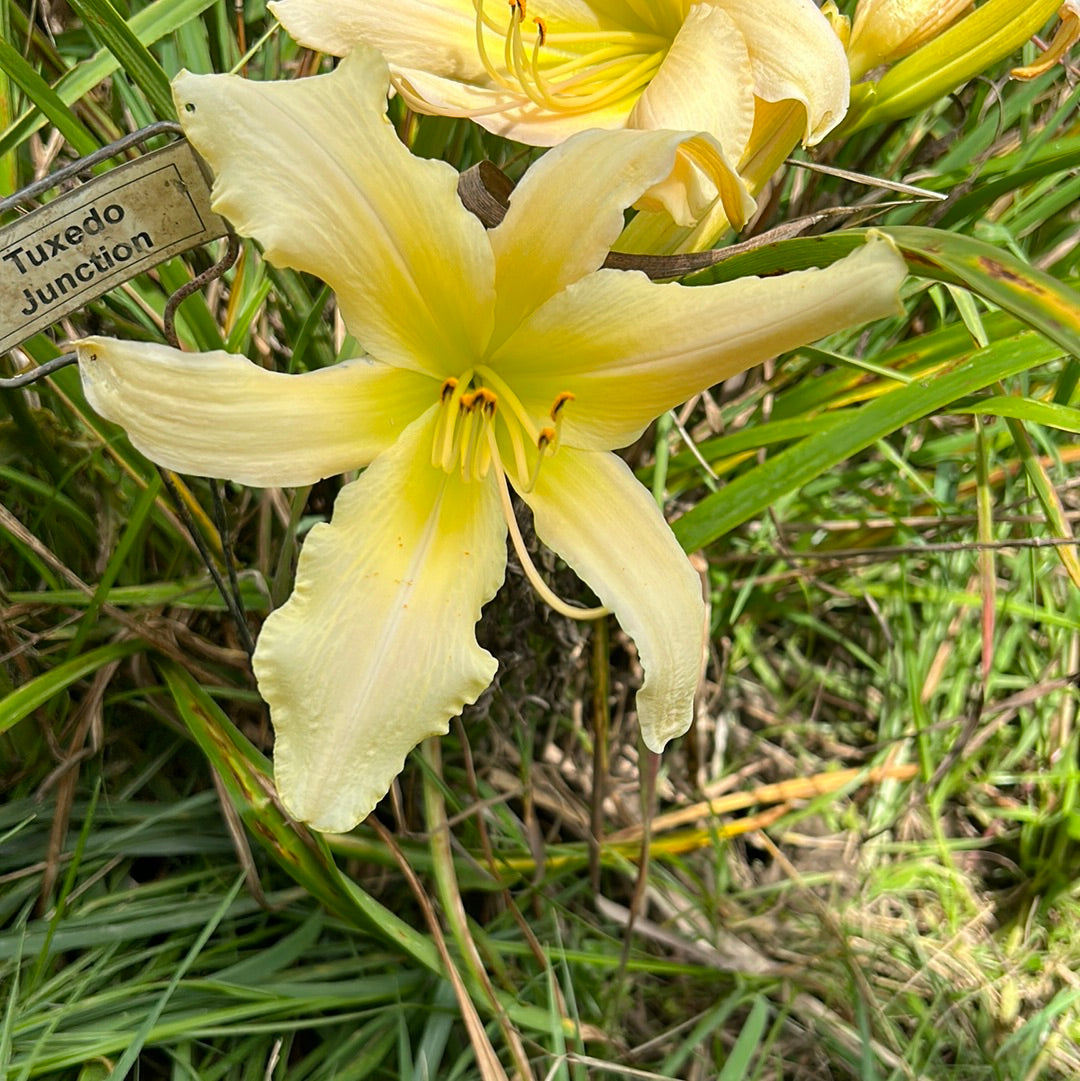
446 440
447 391
509 398
544 444
578 77
527 565
483 397
496 75
508 45
478 408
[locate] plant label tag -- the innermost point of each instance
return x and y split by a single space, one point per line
90 240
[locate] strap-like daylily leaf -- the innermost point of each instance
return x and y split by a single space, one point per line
1033 296
105 24
51 107
149 25
25 699
759 488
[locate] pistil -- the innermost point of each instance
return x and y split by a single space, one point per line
535 579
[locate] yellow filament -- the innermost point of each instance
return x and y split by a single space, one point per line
578 83
481 48
546 444
535 580
464 432
509 398
450 430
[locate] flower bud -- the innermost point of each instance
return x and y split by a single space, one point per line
886 30
942 61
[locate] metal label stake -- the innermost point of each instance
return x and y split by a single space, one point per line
111 228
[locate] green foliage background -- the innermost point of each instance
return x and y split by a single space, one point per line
885 886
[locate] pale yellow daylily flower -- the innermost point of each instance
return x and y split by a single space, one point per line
495 361
542 73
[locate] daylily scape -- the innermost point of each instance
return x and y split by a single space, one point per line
543 73
497 362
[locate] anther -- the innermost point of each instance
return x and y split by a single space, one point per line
541 30
545 439
448 389
561 399
519 7
486 399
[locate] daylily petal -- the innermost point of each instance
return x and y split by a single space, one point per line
438 37
628 349
795 54
658 16
500 112
704 84
219 415
568 209
376 649
589 508
326 186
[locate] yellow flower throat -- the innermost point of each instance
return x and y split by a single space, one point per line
568 70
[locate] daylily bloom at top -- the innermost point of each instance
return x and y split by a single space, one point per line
496 360
540 74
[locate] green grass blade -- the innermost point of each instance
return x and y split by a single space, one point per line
48 106
1047 495
754 491
148 25
1063 417
737 1066
105 24
39 690
153 1014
